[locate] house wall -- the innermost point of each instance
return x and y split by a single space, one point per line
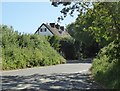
46 33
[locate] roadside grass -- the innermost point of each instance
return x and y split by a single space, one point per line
106 66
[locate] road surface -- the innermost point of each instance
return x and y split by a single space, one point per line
64 76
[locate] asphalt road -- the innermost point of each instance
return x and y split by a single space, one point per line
62 68
63 76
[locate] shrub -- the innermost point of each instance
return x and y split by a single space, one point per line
106 66
26 50
68 48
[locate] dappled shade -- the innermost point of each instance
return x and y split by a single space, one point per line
51 81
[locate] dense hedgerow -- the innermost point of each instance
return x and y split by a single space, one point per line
72 49
64 45
106 67
26 50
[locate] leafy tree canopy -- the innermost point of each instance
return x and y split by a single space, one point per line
101 19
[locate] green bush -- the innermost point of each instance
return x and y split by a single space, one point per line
68 48
106 67
26 50
54 42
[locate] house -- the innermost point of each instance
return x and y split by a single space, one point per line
52 29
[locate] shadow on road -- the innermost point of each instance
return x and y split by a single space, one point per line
49 82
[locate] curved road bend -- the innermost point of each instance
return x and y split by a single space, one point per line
63 76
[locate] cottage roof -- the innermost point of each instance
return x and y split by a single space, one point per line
54 30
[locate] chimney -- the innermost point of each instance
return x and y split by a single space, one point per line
57 26
52 25
62 28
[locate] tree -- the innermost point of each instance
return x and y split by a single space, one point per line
101 19
86 44
105 22
54 42
26 50
71 7
102 22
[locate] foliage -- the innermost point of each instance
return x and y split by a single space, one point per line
99 22
25 50
65 46
105 20
71 7
106 66
86 43
101 19
54 42
68 48
105 28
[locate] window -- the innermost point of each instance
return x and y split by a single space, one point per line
41 30
45 29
